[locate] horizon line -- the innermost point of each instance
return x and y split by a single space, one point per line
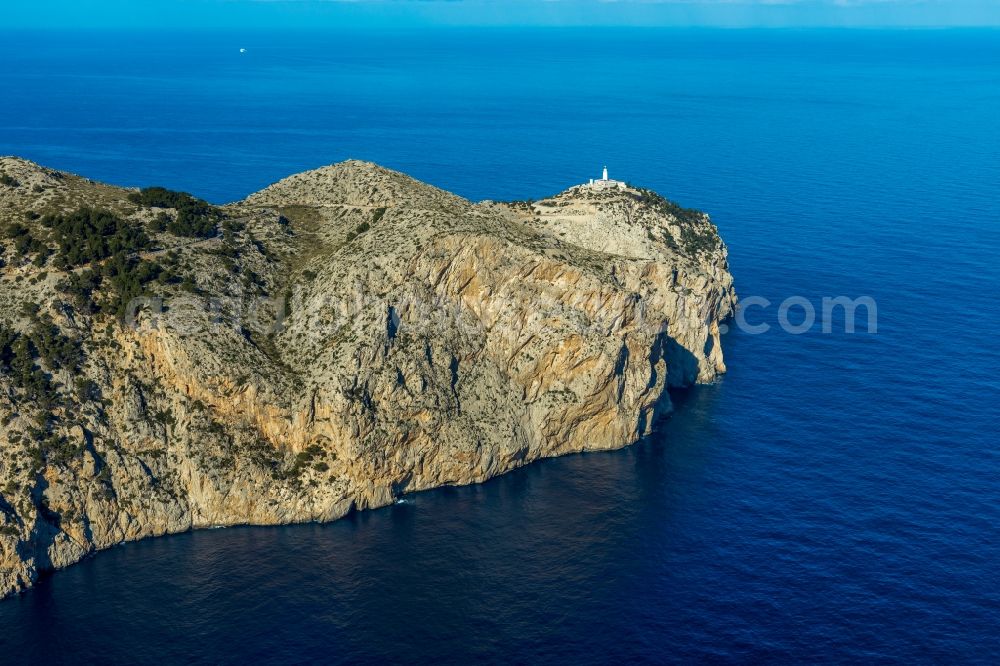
505 26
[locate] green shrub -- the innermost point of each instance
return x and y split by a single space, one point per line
87 390
17 230
54 348
189 285
159 223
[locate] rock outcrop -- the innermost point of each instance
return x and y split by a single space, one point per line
347 335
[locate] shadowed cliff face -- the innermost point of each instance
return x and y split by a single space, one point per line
343 336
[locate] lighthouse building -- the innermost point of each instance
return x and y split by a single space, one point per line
605 183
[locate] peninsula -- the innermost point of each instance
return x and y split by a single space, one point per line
342 337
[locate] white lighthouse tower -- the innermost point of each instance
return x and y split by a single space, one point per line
604 182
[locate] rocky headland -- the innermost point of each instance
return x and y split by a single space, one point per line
337 339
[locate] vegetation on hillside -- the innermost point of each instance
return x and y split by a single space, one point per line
27 358
195 217
30 360
696 234
101 241
88 235
27 245
81 237
121 279
667 207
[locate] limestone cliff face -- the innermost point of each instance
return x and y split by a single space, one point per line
350 335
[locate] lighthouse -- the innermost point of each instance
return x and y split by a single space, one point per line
604 182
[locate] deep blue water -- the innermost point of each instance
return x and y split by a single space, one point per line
835 498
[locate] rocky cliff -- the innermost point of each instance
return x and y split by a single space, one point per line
339 338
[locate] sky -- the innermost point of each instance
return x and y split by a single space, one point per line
424 13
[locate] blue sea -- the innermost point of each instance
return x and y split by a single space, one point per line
835 498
